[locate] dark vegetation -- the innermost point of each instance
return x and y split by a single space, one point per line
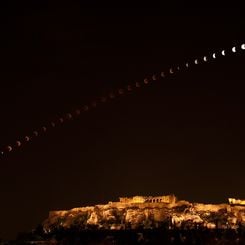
75 236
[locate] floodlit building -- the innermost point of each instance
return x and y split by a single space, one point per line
149 199
233 201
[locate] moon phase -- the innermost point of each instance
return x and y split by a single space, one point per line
85 108
154 78
94 104
129 88
78 112
27 138
103 99
120 91
111 95
9 148
35 133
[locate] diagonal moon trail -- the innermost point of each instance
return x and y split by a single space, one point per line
117 93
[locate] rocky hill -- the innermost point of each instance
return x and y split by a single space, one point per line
148 213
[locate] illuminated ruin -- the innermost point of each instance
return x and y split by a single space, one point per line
149 199
151 212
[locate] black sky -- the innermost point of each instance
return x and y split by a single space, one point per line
182 135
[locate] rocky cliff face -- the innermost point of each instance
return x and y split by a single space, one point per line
117 215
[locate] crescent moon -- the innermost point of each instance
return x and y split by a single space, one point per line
78 112
171 71
205 58
9 148
186 64
214 55
112 96
137 85
94 104
234 49
120 91
196 61
69 115
223 52
35 133
18 143
146 81
27 138
162 74
85 108
243 46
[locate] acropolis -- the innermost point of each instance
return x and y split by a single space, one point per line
150 212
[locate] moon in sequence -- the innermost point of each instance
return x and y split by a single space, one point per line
27 138
9 148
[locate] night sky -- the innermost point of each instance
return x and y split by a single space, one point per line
183 134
